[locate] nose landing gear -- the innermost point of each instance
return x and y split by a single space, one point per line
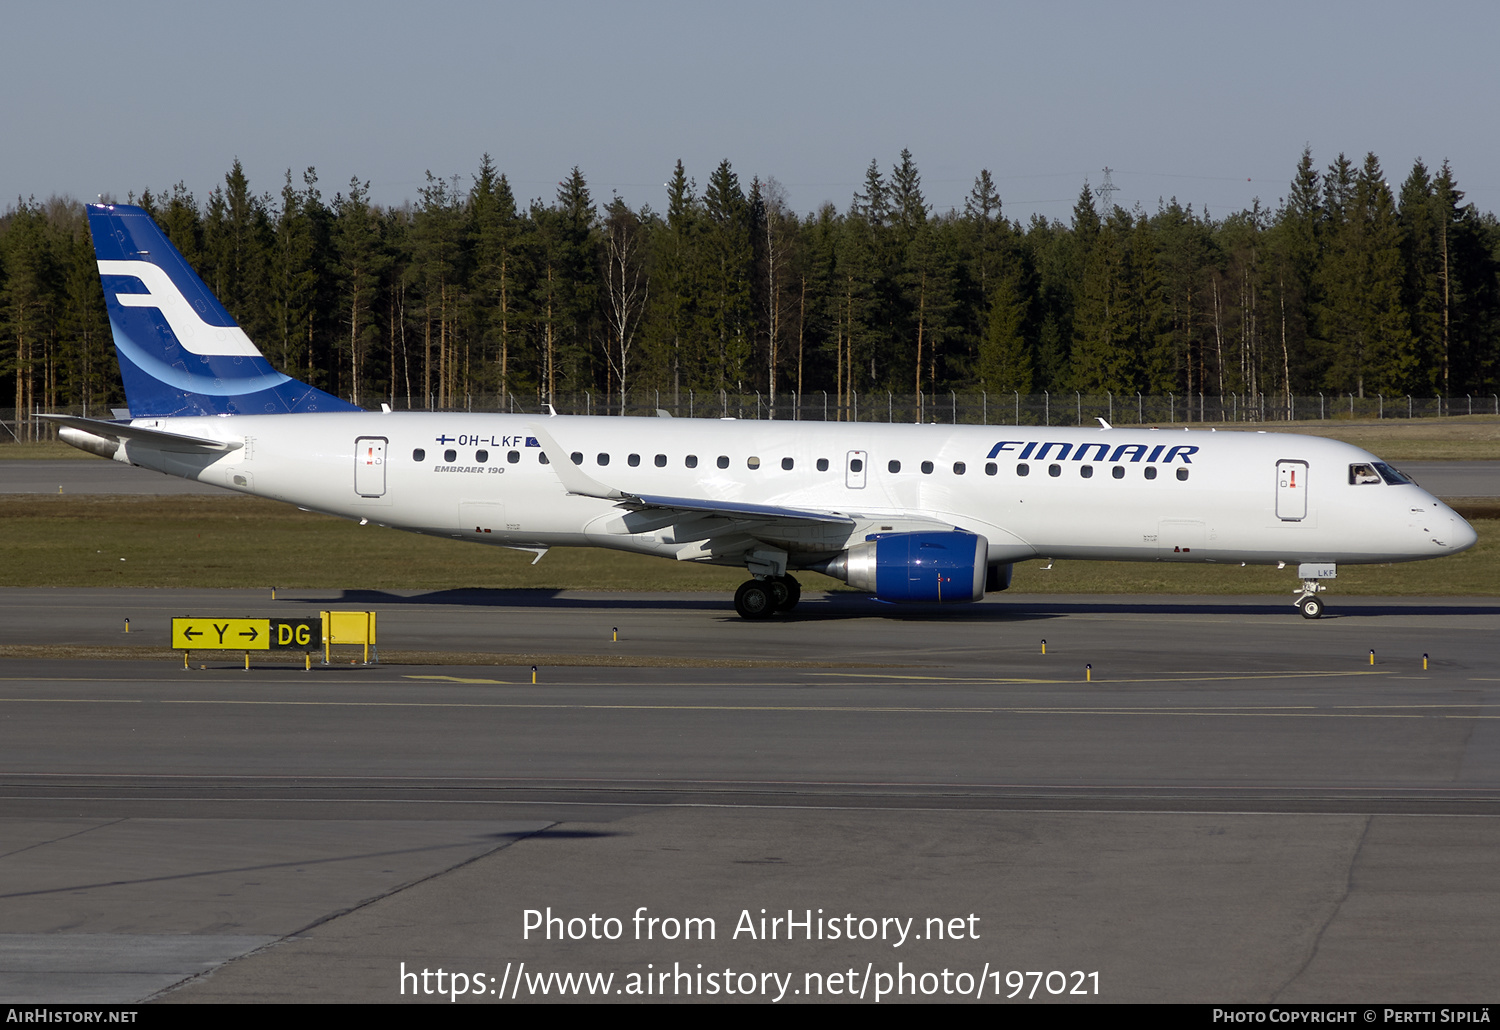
1312 573
1311 607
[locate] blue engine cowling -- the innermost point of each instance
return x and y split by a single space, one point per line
940 567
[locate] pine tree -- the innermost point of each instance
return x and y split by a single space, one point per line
672 335
1103 338
987 237
91 374
361 259
437 257
578 250
494 238
908 206
1339 280
294 272
237 238
1004 359
1421 259
1385 327
1294 249
727 270
28 305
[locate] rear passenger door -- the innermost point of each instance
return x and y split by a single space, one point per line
369 466
1291 490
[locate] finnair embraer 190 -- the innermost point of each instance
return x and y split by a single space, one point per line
925 513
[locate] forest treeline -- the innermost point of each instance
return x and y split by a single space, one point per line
1347 286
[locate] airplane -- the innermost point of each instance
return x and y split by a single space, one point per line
907 513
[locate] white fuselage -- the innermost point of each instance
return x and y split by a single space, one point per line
1214 497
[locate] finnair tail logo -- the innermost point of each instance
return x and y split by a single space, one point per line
195 335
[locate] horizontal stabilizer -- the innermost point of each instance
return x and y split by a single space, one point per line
158 438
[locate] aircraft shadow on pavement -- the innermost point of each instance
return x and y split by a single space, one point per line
841 605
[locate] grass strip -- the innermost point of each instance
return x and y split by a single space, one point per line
232 542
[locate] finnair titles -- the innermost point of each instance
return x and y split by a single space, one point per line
909 513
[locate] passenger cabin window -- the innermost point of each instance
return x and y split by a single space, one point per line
661 461
723 461
691 461
1054 471
990 468
959 468
577 457
855 465
1363 475
419 455
1182 474
1087 472
1118 471
450 455
894 466
633 460
1023 469
822 464
1150 471
787 464
512 456
752 462
926 468
481 456
603 459
542 457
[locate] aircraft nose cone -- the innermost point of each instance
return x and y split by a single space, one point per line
1462 537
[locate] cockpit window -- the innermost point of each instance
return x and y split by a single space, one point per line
1363 475
1392 476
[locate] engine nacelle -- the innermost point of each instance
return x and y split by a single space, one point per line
940 567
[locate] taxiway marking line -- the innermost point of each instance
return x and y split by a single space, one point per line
1180 677
1460 711
998 809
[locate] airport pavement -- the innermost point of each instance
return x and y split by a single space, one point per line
1232 804
90 475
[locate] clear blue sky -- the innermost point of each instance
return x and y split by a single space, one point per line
1210 102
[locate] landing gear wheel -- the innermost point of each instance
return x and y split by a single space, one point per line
755 599
1311 608
793 594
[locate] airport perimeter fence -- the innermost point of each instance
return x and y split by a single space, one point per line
950 407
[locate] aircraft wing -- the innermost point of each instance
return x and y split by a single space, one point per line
576 481
157 438
733 509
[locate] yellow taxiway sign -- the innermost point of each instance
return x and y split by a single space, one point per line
246 634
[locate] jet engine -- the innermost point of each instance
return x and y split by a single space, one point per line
939 567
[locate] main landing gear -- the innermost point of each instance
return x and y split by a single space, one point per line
762 598
1313 573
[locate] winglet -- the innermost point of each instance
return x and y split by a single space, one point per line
574 479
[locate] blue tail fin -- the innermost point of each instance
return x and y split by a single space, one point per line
180 352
